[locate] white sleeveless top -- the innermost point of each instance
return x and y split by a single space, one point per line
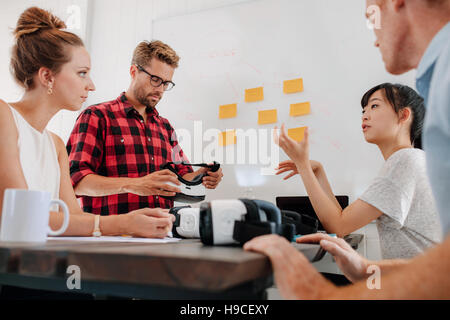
38 157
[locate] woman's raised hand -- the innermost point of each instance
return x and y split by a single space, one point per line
297 151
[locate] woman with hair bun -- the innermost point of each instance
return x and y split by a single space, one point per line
53 67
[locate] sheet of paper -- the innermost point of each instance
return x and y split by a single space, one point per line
253 95
267 116
116 239
293 86
228 111
300 109
227 138
297 133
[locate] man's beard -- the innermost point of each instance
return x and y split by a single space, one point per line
143 98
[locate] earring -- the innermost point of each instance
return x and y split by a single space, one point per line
50 91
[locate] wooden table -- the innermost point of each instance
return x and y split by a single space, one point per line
182 270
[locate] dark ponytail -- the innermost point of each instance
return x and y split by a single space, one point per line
400 97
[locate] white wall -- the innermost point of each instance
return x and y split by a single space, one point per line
118 26
111 29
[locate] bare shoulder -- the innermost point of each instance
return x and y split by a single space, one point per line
59 143
57 139
5 110
7 123
3 103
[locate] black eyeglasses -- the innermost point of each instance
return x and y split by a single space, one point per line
157 81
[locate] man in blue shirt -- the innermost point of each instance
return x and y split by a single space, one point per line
414 34
433 83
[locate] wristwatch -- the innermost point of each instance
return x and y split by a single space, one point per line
97 232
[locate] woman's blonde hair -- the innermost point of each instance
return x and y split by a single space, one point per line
40 42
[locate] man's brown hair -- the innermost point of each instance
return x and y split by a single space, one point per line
40 42
145 51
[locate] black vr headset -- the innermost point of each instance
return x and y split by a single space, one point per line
303 223
191 191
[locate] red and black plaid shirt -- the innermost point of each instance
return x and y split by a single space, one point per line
111 139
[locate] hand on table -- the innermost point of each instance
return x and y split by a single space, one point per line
148 223
295 277
349 261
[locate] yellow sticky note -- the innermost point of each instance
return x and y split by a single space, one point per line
227 138
300 109
297 133
256 94
228 111
267 116
293 86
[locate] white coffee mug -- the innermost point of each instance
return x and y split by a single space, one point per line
25 216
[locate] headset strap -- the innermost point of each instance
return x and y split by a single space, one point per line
214 167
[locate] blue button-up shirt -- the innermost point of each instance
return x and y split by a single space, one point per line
433 83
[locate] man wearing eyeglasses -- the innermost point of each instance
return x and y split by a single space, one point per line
117 148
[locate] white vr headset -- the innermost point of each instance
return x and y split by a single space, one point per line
234 222
229 221
191 191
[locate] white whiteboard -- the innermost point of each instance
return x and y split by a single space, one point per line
262 43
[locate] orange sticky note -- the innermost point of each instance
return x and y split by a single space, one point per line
267 116
300 109
228 111
293 86
256 94
297 133
227 138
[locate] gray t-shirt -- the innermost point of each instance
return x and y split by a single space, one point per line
410 222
